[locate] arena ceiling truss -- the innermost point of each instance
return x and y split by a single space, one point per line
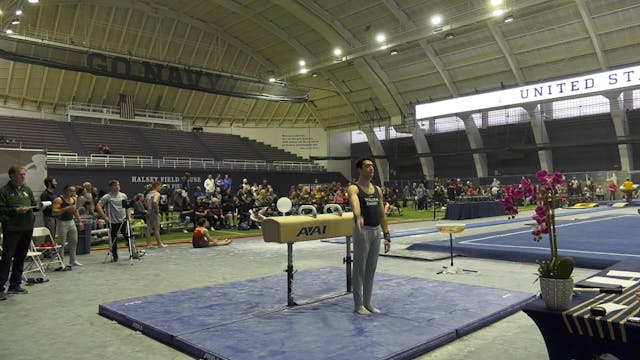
472 50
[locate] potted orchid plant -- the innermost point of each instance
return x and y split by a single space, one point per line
556 283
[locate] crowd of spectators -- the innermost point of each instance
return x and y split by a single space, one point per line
228 206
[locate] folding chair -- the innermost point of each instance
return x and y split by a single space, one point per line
35 266
55 251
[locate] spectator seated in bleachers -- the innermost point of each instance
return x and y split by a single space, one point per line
139 210
88 215
104 149
215 215
187 213
230 209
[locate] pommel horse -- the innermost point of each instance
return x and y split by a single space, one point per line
309 225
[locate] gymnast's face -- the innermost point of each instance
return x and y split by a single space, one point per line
367 169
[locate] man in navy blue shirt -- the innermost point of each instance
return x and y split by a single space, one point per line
49 194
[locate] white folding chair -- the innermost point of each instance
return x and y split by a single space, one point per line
35 265
55 251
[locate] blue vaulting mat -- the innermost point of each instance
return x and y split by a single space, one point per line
502 221
596 243
249 319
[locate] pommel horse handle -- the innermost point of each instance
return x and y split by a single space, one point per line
335 209
303 208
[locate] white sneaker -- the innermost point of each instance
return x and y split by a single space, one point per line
372 309
185 231
75 263
163 245
361 310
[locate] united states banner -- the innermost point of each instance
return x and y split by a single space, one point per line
126 107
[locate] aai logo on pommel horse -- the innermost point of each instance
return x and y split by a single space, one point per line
310 230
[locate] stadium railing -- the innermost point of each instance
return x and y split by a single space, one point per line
141 161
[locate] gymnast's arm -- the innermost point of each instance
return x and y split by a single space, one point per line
384 224
205 234
352 191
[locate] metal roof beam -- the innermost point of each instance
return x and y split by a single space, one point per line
506 50
588 22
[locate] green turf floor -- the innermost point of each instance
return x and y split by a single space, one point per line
178 236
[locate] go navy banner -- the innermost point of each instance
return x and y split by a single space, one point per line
50 54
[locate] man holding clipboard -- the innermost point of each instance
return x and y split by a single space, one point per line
17 205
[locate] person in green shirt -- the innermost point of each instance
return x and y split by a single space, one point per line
17 205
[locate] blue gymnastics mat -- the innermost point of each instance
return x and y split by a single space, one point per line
250 320
504 220
594 243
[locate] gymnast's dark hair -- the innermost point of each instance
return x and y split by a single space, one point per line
361 161
47 181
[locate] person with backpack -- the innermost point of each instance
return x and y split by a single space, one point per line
163 205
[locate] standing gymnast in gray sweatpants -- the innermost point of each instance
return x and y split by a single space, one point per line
368 211
64 208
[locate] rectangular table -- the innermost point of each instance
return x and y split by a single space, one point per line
576 334
472 210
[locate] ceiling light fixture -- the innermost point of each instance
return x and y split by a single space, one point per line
15 21
498 12
337 51
302 63
436 19
18 12
449 36
381 38
304 70
496 2
271 76
33 1
508 19
9 31
315 74
393 52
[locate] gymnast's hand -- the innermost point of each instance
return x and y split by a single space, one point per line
387 242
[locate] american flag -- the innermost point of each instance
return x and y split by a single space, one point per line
126 107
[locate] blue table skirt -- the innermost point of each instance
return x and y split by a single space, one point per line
576 334
472 210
